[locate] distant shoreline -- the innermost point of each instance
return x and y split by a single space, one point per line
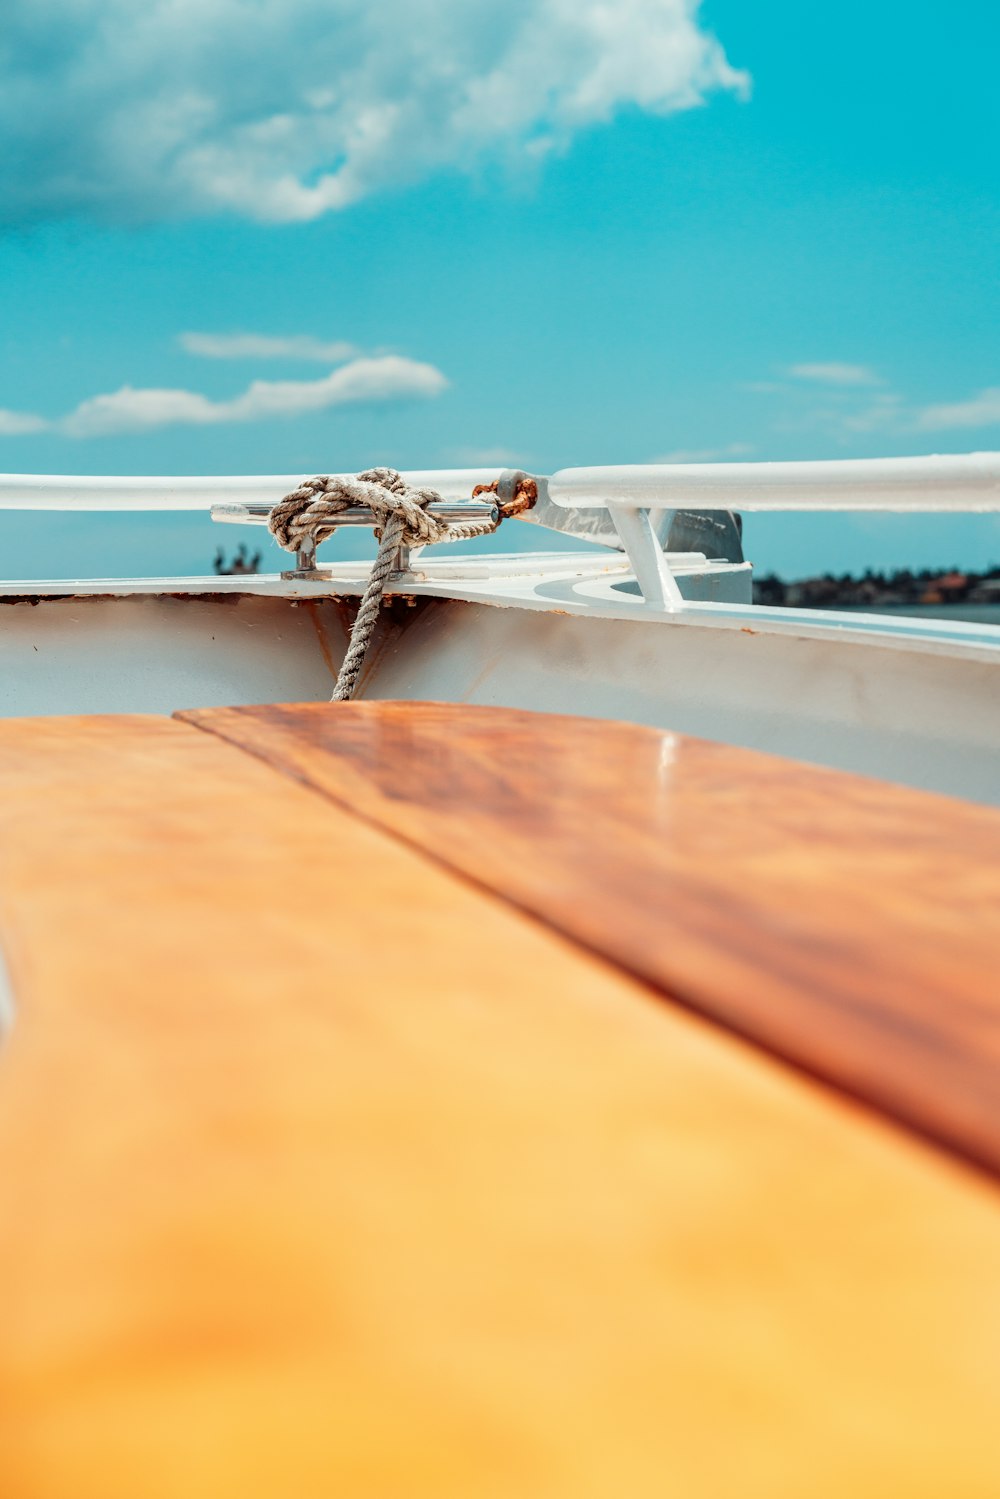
930 592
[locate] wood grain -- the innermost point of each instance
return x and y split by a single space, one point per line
323 1173
850 926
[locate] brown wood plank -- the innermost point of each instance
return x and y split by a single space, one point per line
850 926
323 1173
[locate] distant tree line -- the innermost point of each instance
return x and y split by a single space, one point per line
904 586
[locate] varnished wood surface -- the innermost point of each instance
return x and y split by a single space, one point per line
850 926
322 1173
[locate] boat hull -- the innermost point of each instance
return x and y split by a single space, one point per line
911 711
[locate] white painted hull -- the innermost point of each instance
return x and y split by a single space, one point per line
907 700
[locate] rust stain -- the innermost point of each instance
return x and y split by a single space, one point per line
485 671
311 609
525 496
31 598
400 612
105 598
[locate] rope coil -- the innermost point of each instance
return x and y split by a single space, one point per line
309 514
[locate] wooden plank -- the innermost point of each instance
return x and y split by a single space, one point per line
850 926
323 1173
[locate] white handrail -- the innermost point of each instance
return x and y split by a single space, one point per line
952 482
71 492
956 482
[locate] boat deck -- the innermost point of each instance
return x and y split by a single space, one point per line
414 1100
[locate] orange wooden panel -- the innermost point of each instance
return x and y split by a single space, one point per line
323 1173
850 926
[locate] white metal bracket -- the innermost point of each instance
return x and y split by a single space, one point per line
649 563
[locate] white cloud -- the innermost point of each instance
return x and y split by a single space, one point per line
706 455
20 423
854 407
388 378
982 410
286 109
835 374
131 410
887 412
262 346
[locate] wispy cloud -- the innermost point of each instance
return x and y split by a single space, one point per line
389 378
20 423
886 412
287 109
376 381
852 405
833 373
706 455
890 412
982 410
262 346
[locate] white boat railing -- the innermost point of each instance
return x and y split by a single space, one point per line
950 483
956 483
89 492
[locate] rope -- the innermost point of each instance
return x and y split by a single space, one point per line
310 513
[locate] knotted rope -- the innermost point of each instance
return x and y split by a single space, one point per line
309 514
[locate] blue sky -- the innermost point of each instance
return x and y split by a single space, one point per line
435 232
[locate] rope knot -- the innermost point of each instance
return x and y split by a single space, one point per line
309 514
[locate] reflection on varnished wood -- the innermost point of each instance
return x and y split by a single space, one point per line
849 925
323 1173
